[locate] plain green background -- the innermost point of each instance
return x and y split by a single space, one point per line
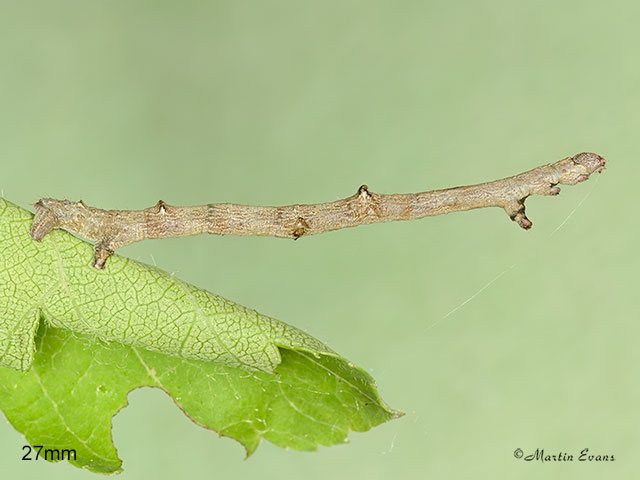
121 103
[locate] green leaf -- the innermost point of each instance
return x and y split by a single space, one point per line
227 367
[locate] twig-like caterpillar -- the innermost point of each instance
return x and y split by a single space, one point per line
112 229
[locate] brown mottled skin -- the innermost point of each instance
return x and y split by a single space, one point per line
112 229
